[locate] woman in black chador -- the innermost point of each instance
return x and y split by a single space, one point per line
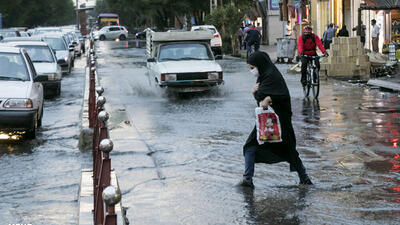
271 89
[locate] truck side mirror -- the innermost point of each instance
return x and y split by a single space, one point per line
151 60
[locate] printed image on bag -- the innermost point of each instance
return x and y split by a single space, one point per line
268 126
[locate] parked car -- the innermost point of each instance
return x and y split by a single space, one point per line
182 61
24 34
216 42
44 30
64 53
21 93
111 32
81 40
75 42
9 33
12 39
45 63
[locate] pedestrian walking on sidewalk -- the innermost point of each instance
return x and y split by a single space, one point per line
343 32
328 35
239 34
361 32
253 37
375 35
271 89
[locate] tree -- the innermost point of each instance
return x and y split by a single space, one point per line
31 13
230 17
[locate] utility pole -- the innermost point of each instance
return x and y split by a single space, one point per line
77 12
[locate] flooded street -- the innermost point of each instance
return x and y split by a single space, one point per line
178 158
40 178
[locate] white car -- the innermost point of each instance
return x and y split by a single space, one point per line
216 41
111 32
45 62
21 93
185 67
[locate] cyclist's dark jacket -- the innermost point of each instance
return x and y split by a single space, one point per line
271 83
309 45
253 35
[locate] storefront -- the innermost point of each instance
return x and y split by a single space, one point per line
395 26
295 14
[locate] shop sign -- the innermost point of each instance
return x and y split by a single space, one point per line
274 4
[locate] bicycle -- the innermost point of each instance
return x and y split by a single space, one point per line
312 79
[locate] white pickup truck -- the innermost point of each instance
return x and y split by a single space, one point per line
182 61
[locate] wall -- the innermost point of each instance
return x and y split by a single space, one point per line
275 26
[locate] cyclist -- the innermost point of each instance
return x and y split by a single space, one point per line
307 46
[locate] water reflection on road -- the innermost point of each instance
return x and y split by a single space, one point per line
179 158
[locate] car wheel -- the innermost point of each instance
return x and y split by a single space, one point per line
102 38
31 134
122 37
41 116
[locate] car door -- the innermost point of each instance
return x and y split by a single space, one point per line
37 89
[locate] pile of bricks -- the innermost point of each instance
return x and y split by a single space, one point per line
347 58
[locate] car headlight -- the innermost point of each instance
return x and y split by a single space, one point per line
54 76
215 75
18 103
168 77
66 59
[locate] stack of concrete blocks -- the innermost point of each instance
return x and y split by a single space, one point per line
347 58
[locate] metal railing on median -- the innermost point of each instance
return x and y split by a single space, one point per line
105 196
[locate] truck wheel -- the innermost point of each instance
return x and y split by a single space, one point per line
102 38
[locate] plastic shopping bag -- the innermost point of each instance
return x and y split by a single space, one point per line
268 126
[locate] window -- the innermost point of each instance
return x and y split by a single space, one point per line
13 67
184 51
39 53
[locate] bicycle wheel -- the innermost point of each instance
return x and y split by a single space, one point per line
306 88
315 83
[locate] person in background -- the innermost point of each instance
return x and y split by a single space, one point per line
271 90
239 34
361 33
289 29
253 37
307 45
328 35
375 36
343 32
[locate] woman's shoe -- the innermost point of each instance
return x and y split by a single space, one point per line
305 180
246 183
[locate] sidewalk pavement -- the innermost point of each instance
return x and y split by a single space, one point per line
392 83
270 49
386 82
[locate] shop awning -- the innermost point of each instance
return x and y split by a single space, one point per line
383 3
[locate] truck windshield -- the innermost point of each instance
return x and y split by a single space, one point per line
184 51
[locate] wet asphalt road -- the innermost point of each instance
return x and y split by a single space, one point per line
178 158
40 178
348 141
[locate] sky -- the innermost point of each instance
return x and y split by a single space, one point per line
88 2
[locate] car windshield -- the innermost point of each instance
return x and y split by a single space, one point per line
39 53
55 43
8 33
43 31
13 67
208 28
184 51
